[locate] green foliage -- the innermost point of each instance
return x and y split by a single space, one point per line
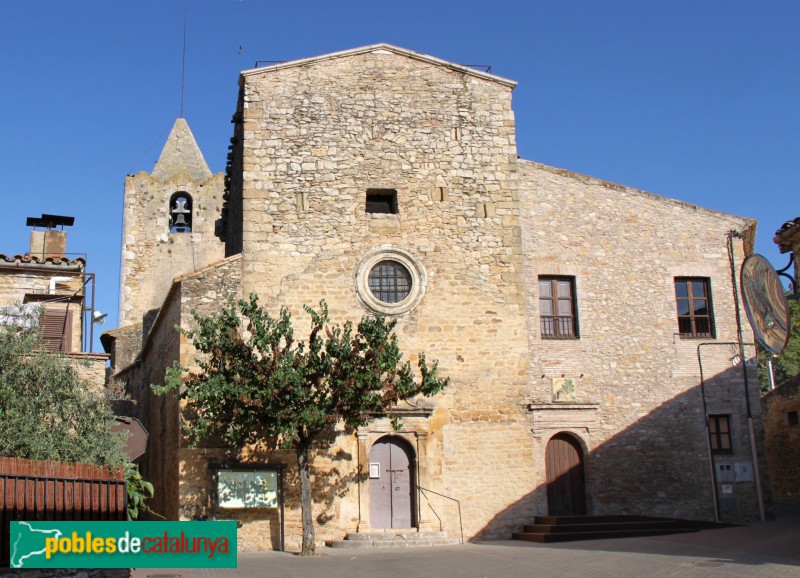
47 410
257 382
263 383
139 491
787 363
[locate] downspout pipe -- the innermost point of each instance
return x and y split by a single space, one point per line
705 418
753 451
708 431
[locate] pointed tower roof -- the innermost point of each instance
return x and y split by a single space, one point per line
181 156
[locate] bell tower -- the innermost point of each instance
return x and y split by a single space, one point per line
168 224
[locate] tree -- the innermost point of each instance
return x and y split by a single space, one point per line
47 410
785 364
258 383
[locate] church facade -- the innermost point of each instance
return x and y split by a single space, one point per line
589 329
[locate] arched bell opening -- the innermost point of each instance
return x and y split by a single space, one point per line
180 212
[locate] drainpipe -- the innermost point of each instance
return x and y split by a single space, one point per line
54 280
708 431
731 235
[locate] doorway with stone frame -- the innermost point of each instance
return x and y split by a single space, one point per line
566 484
392 484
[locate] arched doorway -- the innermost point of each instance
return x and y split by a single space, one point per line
566 486
391 483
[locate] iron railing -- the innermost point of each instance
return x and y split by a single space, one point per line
441 526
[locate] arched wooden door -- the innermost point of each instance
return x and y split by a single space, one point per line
566 486
391 484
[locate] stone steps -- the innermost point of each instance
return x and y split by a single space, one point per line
546 529
393 539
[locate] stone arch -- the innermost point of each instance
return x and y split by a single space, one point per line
565 459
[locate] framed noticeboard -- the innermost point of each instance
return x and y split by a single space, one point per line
240 488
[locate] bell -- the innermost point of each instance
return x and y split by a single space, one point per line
180 220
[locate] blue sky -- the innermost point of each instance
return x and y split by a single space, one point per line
698 101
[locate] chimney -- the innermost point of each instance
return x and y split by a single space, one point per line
50 242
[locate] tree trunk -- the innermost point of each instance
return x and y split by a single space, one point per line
305 501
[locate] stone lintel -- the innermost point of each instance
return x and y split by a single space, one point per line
549 416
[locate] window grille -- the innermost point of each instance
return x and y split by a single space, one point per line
389 281
557 308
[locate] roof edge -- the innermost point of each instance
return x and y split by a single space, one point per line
590 180
377 48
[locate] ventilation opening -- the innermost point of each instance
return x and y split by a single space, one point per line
382 201
793 419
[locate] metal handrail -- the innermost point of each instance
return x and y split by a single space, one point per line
460 523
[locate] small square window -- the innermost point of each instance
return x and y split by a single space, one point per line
693 300
382 201
793 419
719 434
557 308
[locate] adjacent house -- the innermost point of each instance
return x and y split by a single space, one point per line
589 328
782 404
49 281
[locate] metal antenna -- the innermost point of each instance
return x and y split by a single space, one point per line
183 72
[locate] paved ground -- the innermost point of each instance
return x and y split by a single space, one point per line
768 549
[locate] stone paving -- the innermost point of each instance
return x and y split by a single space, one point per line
769 549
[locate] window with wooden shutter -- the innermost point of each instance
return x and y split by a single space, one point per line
719 432
56 329
693 298
557 308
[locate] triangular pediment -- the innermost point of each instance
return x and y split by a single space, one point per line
385 49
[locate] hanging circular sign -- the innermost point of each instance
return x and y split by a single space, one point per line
765 303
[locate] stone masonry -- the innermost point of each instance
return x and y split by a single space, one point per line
475 227
151 254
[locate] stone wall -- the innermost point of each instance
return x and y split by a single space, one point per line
317 136
91 367
123 344
781 408
630 365
475 227
151 254
165 463
159 414
205 292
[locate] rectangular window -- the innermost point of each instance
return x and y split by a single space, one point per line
693 298
719 432
557 308
792 418
382 201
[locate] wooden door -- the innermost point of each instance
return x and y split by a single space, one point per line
391 484
566 488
